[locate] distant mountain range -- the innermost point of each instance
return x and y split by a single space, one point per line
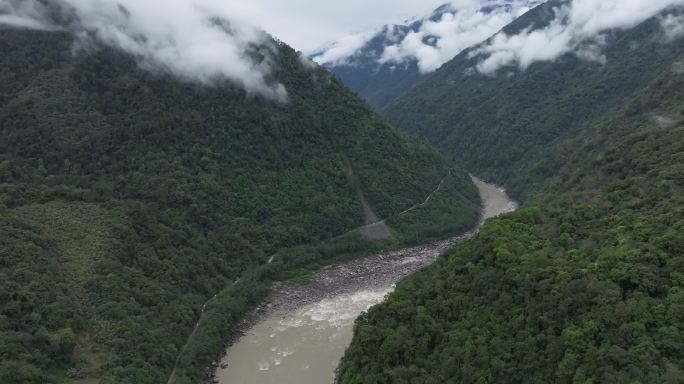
381 65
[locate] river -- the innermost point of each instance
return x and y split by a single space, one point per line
303 331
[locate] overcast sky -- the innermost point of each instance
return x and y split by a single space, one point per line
310 24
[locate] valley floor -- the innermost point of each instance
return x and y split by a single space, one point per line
301 332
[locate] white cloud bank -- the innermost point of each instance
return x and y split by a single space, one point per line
23 14
673 26
197 40
464 24
344 48
578 27
437 42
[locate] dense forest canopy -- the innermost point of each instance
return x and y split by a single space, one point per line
136 199
584 283
128 198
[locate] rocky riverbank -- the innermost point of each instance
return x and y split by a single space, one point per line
371 273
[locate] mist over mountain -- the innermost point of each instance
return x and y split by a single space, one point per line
458 108
200 40
139 183
579 27
380 65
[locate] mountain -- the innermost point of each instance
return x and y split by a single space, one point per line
582 284
505 121
133 202
391 60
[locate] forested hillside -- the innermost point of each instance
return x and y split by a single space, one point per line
497 123
129 198
584 283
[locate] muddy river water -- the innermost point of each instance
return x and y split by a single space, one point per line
303 332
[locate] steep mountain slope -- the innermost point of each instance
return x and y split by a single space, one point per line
583 285
398 56
497 123
129 198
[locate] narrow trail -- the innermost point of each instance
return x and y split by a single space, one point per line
371 229
172 378
427 200
378 229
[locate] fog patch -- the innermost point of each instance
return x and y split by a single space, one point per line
663 121
673 25
469 22
195 40
678 67
306 62
430 41
24 14
342 50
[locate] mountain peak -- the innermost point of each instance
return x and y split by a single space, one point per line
393 56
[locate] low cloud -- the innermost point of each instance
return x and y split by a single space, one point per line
673 25
24 14
431 41
196 40
470 22
340 52
578 27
